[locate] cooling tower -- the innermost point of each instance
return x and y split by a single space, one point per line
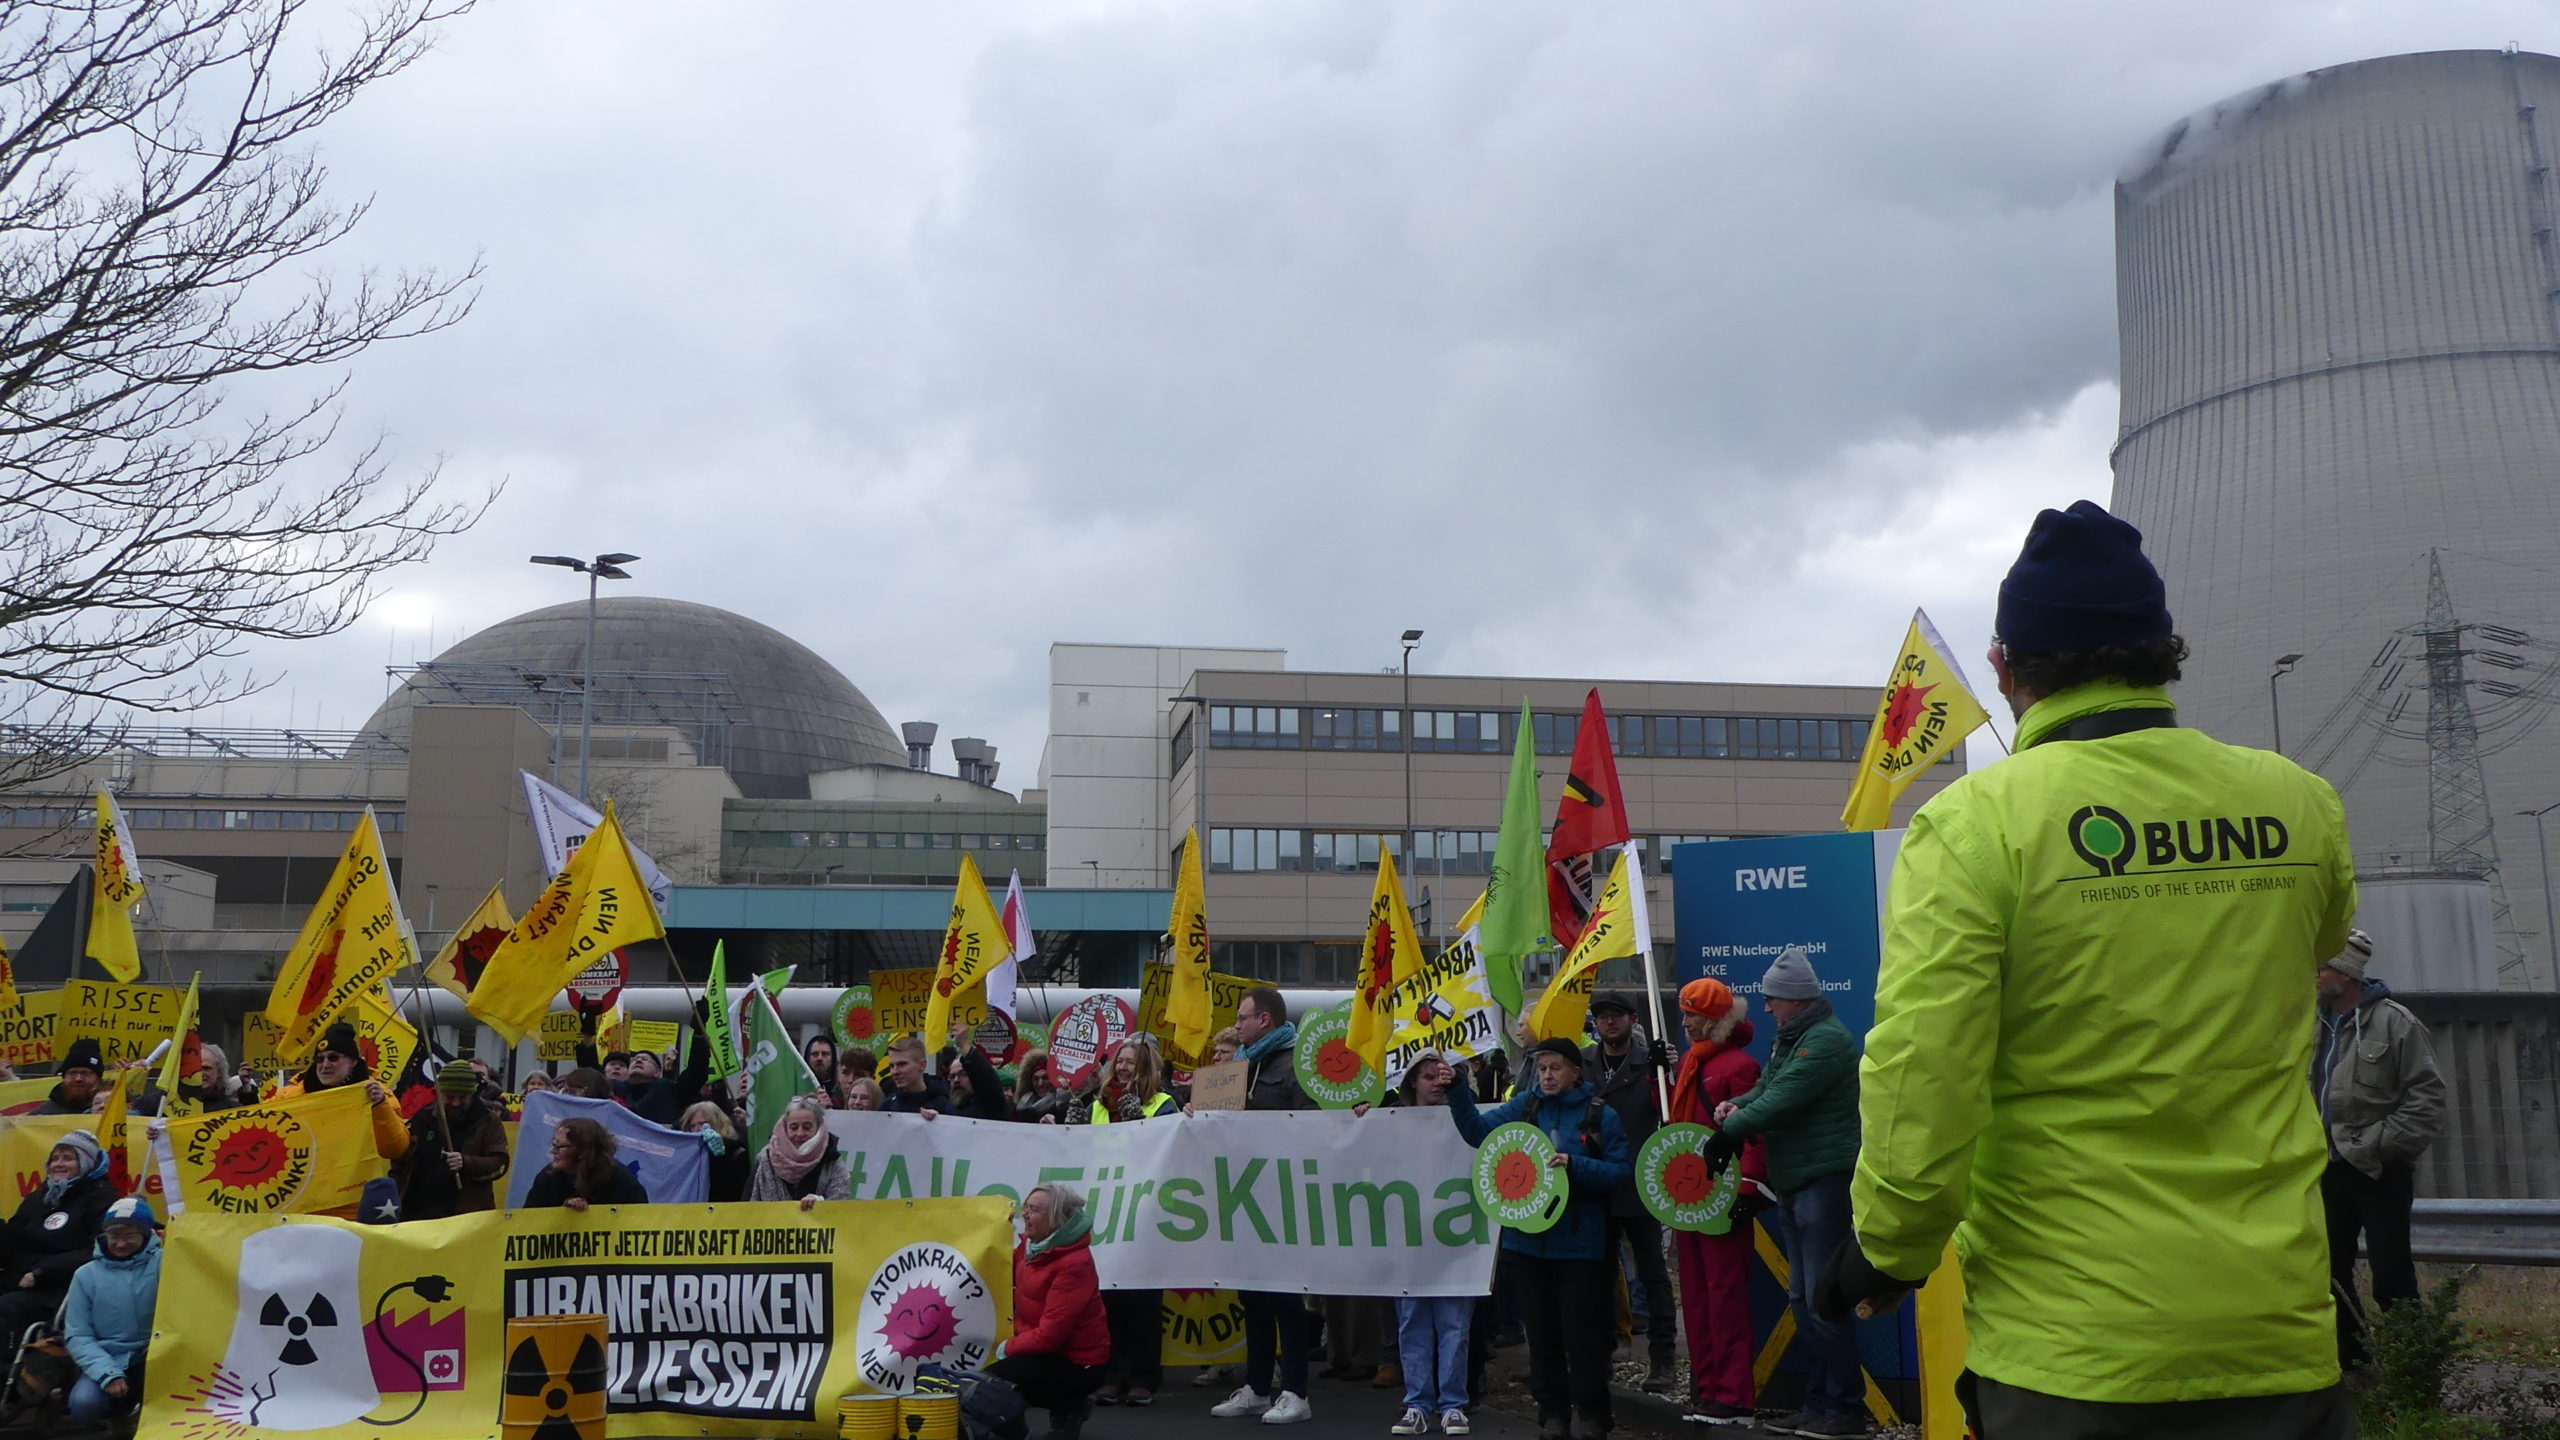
2339 304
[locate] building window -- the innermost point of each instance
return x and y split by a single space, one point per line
1350 852
1626 734
800 839
1182 743
1253 727
1454 852
1236 850
1464 732
1555 732
912 842
857 839
1341 729
942 840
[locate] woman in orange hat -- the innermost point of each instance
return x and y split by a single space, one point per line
1715 1270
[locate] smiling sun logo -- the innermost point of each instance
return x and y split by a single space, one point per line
1903 711
925 1305
252 1162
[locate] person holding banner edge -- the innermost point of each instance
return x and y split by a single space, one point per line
1275 1323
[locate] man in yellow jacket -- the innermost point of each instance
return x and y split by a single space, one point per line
341 1062
2091 1032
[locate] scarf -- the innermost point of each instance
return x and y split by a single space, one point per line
792 1163
1689 1090
1071 1231
1279 1035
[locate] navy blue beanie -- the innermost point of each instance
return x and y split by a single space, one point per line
2081 581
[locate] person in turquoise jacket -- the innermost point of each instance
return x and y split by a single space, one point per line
1566 1282
107 1324
2092 1024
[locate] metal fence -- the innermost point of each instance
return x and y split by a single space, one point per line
2486 1232
2502 1112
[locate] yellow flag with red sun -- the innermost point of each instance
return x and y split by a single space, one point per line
1926 711
297 1156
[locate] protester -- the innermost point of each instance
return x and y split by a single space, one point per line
1037 1096
731 1161
457 1151
977 1092
1715 1270
1134 1091
535 1080
2090 1046
341 1063
1564 1271
585 1083
52 1232
2382 1103
800 1162
912 1088
211 1088
820 1053
75 1088
857 1062
1432 1332
583 1171
1275 1323
1061 1336
1622 1066
107 1324
861 1092
653 1095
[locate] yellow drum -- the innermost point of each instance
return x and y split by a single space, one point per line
554 1378
867 1417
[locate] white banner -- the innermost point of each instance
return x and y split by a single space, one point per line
1310 1202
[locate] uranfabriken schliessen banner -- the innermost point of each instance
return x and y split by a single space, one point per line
1318 1202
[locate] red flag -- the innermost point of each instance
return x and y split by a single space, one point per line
1591 817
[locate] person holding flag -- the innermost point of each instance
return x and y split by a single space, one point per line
341 1062
457 1151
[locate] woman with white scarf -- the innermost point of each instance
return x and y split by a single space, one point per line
800 1161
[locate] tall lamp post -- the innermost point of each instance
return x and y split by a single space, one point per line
603 567
2550 926
1411 639
2275 716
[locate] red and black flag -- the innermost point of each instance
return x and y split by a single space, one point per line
1591 817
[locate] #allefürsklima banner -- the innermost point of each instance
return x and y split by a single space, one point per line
736 1320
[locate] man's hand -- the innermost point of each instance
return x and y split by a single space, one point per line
1559 1161
808 1203
1724 1111
453 1161
373 1092
929 1114
1852 1286
961 1034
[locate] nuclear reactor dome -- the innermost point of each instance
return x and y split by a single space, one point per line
755 699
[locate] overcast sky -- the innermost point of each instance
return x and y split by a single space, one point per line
1656 340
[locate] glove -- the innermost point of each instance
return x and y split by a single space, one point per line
1661 1055
1851 1286
1722 1146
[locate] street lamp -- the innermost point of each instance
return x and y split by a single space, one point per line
2550 930
2275 716
1411 639
603 567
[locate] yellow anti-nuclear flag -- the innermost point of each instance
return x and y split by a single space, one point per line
386 1039
1188 1008
973 944
185 1058
458 965
1926 711
596 904
353 940
115 889
8 981
1621 928
297 1156
1389 956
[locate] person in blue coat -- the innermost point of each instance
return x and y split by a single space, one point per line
1564 1273
107 1325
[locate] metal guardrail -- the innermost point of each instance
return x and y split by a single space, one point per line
2486 1232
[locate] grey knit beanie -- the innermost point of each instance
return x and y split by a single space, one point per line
2351 961
1791 977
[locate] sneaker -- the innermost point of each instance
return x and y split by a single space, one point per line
1290 1409
1106 1396
1716 1412
1833 1427
1453 1422
1137 1395
1789 1424
1246 1401
1213 1375
1413 1422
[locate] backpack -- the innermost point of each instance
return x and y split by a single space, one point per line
990 1409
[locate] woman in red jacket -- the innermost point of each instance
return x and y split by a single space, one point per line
1061 1335
1715 1270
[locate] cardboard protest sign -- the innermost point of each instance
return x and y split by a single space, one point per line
27 1029
127 1021
1156 985
1222 1086
899 999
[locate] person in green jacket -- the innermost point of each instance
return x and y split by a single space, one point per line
1805 1109
2091 1035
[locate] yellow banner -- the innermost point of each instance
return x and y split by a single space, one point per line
1619 926
8 981
1447 1005
351 943
1156 984
127 1021
973 944
1389 956
1192 1004
726 1320
1925 712
596 904
116 888
25 1141
297 1156
17 1097
27 1028
898 1001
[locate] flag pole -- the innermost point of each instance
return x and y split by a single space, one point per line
1652 977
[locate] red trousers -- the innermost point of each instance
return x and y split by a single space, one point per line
1715 1306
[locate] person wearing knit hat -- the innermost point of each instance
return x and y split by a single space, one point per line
457 1150
76 1091
107 1324
339 1064
1629 1070
2088 1055
53 1232
1715 1270
1804 1111
2382 1100
1563 1275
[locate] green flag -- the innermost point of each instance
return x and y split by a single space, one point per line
774 981
1515 901
719 1025
772 1066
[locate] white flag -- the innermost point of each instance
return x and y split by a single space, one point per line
561 822
1017 927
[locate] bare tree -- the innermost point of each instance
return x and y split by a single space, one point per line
163 499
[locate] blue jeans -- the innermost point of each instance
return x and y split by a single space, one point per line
88 1402
1818 1224
1431 1344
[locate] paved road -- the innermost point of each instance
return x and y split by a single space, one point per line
1341 1410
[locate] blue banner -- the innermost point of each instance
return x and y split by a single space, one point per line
1737 903
674 1167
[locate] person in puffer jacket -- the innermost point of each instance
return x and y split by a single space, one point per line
1061 1340
1567 1290
107 1326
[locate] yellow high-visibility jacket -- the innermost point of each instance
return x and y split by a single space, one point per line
2091 1058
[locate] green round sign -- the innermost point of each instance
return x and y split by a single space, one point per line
1517 1180
1673 1182
1032 1034
854 1021
1329 1070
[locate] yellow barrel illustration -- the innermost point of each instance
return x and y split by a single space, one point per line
867 1417
554 1378
932 1413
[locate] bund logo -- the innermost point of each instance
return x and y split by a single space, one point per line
2111 844
2103 837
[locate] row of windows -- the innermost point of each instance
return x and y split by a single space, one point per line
873 840
1434 852
54 817
1316 964
1491 732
